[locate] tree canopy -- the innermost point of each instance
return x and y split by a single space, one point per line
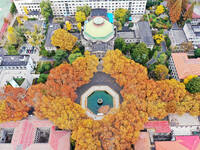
193 86
86 9
140 53
46 9
63 39
80 16
122 15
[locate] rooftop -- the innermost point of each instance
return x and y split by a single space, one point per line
185 66
50 33
98 12
127 35
159 126
181 143
100 47
14 60
34 13
183 120
26 136
143 142
178 36
145 32
98 29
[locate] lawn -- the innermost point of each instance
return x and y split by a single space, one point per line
19 81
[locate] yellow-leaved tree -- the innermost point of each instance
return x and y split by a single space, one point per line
188 78
80 16
12 37
159 38
61 111
68 25
79 26
159 10
63 39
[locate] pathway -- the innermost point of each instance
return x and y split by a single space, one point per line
163 50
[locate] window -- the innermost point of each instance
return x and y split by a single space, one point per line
42 135
6 135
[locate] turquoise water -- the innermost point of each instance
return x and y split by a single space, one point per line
92 100
4 10
110 17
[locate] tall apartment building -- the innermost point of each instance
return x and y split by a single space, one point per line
68 7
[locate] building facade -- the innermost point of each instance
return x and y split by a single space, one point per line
68 7
181 66
15 66
192 32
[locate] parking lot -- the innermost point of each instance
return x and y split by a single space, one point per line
27 49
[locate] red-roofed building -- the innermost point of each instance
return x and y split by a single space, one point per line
181 143
143 142
33 134
158 131
158 126
181 66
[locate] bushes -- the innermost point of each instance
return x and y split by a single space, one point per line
193 86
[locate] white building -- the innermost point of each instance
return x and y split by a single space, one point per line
16 66
192 32
184 124
68 7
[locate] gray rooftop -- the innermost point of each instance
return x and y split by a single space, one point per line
14 60
145 33
50 33
178 36
127 35
34 13
98 12
100 47
30 24
77 35
99 78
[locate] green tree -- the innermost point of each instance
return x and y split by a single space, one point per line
140 53
197 53
42 78
86 9
11 49
168 41
46 10
46 67
72 57
120 44
60 56
13 9
122 15
162 59
160 72
193 86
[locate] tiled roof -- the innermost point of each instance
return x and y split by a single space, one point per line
145 32
159 126
25 131
185 66
143 143
14 60
98 12
181 143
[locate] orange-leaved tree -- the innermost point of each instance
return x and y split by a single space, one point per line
13 104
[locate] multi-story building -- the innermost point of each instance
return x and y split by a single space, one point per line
33 134
181 66
192 32
16 67
68 7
